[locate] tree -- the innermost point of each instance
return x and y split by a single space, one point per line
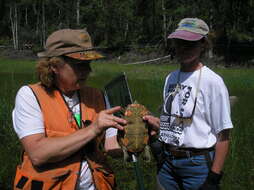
121 24
14 24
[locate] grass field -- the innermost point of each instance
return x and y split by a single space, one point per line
146 83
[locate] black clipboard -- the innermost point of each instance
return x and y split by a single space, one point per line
117 93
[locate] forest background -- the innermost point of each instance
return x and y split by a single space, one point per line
119 26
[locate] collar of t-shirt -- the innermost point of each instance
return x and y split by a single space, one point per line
73 103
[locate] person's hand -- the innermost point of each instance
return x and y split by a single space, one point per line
212 181
106 119
154 124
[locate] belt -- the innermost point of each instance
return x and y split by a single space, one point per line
186 152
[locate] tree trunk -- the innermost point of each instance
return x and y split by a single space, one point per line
210 52
37 20
126 31
26 20
108 20
154 15
14 25
164 23
78 12
43 25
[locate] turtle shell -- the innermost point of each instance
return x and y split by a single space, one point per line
135 136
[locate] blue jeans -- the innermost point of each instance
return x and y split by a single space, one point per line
187 173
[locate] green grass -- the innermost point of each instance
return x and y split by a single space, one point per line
146 83
239 170
16 66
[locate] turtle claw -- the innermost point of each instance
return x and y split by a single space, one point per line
126 155
147 154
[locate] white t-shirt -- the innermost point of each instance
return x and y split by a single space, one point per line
28 120
212 111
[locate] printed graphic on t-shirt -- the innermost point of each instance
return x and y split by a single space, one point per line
175 105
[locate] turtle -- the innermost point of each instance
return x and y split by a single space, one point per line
135 136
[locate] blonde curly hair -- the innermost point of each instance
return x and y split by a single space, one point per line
45 73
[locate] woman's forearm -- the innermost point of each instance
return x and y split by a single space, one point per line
43 149
221 150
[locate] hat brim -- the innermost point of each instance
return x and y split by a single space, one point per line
86 55
185 35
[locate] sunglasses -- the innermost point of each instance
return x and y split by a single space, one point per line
78 64
183 44
75 61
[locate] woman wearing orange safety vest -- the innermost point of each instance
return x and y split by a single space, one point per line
62 123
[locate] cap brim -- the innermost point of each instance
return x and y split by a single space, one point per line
86 55
185 35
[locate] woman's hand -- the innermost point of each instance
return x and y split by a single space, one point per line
154 124
106 119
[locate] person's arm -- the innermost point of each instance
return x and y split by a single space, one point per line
111 143
43 149
112 147
221 122
221 150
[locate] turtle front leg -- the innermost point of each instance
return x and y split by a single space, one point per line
147 154
126 155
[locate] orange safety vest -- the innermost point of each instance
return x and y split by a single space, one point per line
58 121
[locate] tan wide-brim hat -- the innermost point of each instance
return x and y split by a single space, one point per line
76 44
